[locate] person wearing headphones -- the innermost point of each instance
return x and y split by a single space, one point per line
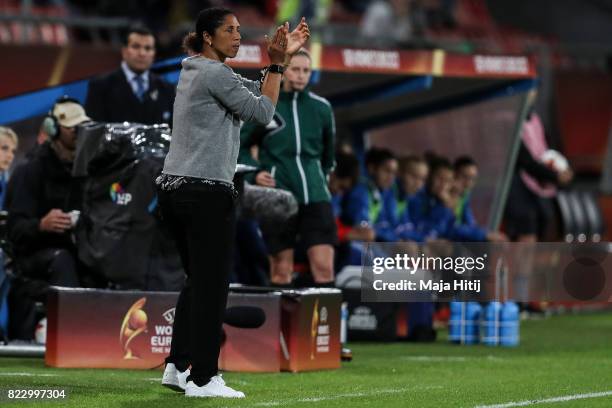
296 153
42 198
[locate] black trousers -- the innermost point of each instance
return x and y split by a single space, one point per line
38 271
526 213
202 220
56 266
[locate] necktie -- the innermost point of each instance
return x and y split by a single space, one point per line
140 90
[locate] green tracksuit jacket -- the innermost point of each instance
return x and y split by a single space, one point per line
297 147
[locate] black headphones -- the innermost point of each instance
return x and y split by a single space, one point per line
50 124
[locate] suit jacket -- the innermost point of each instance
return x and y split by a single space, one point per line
111 99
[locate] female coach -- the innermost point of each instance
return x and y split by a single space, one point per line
197 197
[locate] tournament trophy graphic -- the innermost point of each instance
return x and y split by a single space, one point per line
314 326
134 323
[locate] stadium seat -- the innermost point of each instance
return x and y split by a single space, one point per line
594 216
567 218
580 219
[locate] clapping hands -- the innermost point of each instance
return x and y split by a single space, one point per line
277 47
298 37
285 43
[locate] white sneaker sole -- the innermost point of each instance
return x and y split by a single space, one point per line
201 395
171 380
193 391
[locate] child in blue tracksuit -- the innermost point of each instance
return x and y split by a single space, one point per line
372 202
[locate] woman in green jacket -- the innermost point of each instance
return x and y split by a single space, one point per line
295 152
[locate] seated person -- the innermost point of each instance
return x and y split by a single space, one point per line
412 177
342 180
372 202
8 147
428 216
465 228
413 172
41 193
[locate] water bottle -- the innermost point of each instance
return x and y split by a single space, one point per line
509 325
343 320
457 309
472 322
40 333
490 324
345 353
463 323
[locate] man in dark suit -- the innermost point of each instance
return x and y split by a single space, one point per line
132 93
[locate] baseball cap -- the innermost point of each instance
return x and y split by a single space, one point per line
70 114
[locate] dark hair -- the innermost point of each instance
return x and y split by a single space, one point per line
347 166
463 161
437 163
208 21
136 29
377 156
406 162
190 42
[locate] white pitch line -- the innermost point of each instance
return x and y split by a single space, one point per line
27 375
341 396
449 359
446 359
549 400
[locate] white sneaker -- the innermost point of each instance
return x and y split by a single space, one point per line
175 379
215 388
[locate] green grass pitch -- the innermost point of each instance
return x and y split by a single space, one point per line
563 356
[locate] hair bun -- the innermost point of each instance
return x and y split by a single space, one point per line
192 43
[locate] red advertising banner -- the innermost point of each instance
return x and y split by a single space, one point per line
122 329
400 62
492 66
376 61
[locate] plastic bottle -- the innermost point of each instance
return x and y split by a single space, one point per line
40 333
457 309
472 322
490 324
343 321
509 335
463 325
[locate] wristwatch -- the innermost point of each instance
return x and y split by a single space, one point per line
276 69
